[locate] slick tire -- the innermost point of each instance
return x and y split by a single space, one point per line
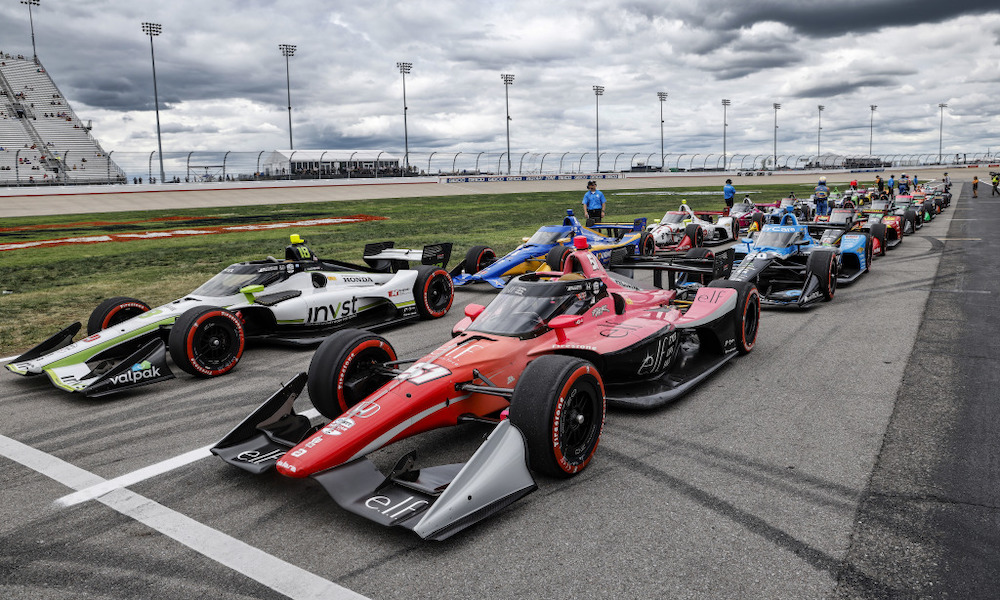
647 245
869 250
758 219
433 292
930 209
878 232
695 234
556 258
559 406
113 311
342 371
477 258
910 221
207 341
747 313
823 264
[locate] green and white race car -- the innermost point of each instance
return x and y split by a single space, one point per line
298 300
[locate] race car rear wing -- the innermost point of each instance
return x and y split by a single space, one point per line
717 265
382 256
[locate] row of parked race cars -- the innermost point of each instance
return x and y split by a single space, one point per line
570 332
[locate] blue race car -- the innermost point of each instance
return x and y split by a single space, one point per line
549 248
791 268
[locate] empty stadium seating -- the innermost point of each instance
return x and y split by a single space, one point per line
43 140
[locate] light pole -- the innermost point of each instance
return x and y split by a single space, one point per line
404 68
725 125
663 97
508 80
31 20
871 128
286 51
598 92
774 165
153 30
942 106
819 129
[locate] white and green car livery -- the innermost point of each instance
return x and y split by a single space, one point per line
299 300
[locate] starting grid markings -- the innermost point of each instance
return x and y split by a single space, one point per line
129 237
278 575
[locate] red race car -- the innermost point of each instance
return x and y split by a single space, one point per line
540 363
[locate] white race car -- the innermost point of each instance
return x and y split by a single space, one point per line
679 227
298 300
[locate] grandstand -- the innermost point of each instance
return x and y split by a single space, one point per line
42 141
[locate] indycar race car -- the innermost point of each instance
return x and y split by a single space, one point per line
540 364
744 213
683 229
299 300
551 245
791 268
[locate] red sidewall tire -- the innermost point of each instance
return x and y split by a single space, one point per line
433 292
566 464
190 350
113 311
348 361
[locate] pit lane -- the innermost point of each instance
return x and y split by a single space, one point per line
773 479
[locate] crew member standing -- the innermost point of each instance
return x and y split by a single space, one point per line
728 194
975 186
821 193
996 185
892 182
594 202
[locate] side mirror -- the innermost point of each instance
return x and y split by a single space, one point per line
474 310
249 290
562 323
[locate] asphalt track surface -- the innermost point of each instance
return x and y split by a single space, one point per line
852 454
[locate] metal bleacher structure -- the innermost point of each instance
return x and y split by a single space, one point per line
42 141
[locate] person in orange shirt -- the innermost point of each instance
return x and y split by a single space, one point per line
975 186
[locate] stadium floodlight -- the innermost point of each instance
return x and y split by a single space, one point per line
153 30
508 80
663 97
725 124
774 165
871 128
286 51
31 20
404 68
819 128
941 106
598 92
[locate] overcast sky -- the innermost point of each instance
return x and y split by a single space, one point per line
222 79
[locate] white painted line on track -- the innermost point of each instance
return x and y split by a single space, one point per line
124 481
280 576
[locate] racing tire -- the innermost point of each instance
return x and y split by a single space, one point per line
556 258
695 234
647 245
477 258
747 313
910 218
758 219
701 278
869 250
433 292
207 341
823 264
559 406
589 223
341 372
113 311
929 209
878 232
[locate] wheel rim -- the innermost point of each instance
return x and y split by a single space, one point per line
215 343
438 294
358 380
580 422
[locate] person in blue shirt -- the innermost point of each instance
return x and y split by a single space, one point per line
728 194
892 183
821 193
594 202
